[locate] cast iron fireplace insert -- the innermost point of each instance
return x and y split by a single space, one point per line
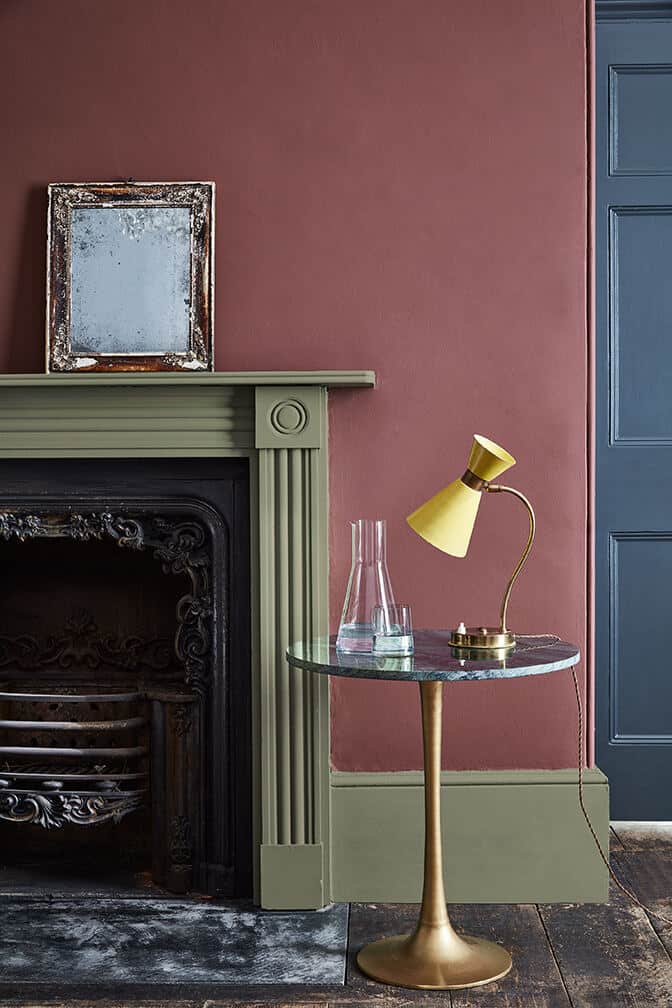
125 714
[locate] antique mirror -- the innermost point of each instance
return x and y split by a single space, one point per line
130 276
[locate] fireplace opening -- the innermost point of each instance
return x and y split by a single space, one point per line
86 637
124 681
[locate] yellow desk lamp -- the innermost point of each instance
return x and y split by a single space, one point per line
447 521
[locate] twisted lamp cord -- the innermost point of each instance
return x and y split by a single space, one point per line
624 889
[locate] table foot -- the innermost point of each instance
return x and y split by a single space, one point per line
434 959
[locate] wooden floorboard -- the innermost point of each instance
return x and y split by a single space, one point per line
609 955
368 922
534 980
649 876
76 1002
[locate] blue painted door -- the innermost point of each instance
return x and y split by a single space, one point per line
633 375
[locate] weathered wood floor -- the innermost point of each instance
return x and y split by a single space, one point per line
592 956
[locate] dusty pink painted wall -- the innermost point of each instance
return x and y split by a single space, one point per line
400 186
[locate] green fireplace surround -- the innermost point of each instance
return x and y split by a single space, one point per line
319 834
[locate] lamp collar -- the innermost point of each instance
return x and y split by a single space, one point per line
473 481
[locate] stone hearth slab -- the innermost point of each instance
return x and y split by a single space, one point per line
175 942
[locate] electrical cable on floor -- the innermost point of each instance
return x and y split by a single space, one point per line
624 889
579 706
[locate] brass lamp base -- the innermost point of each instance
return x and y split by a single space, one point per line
484 638
434 959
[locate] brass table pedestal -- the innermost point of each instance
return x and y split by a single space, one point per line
434 957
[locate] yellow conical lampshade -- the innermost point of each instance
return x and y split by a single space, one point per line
447 519
488 460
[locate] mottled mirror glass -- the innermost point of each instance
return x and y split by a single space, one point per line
130 275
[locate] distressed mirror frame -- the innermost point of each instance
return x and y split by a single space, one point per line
63 199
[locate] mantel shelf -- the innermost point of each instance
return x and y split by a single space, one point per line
328 379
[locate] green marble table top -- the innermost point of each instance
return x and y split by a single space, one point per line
435 659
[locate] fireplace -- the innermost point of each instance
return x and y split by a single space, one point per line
275 426
125 696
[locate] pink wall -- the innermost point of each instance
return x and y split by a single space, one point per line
401 185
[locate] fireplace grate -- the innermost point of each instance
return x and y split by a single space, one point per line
72 757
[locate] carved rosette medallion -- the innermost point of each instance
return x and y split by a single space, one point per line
289 416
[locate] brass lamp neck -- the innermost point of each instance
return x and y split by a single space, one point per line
499 488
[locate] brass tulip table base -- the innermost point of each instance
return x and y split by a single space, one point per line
435 957
440 961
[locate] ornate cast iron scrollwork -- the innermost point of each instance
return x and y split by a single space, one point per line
125 531
183 719
180 841
181 548
55 811
184 551
21 527
81 643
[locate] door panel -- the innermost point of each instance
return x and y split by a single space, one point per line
633 456
639 687
641 323
637 95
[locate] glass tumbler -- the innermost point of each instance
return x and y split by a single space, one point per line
392 630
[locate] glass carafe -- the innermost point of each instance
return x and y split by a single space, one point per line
368 585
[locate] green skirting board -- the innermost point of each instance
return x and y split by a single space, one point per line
512 836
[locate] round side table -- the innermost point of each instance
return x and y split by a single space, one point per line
435 957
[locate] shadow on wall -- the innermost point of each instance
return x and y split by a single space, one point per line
27 317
